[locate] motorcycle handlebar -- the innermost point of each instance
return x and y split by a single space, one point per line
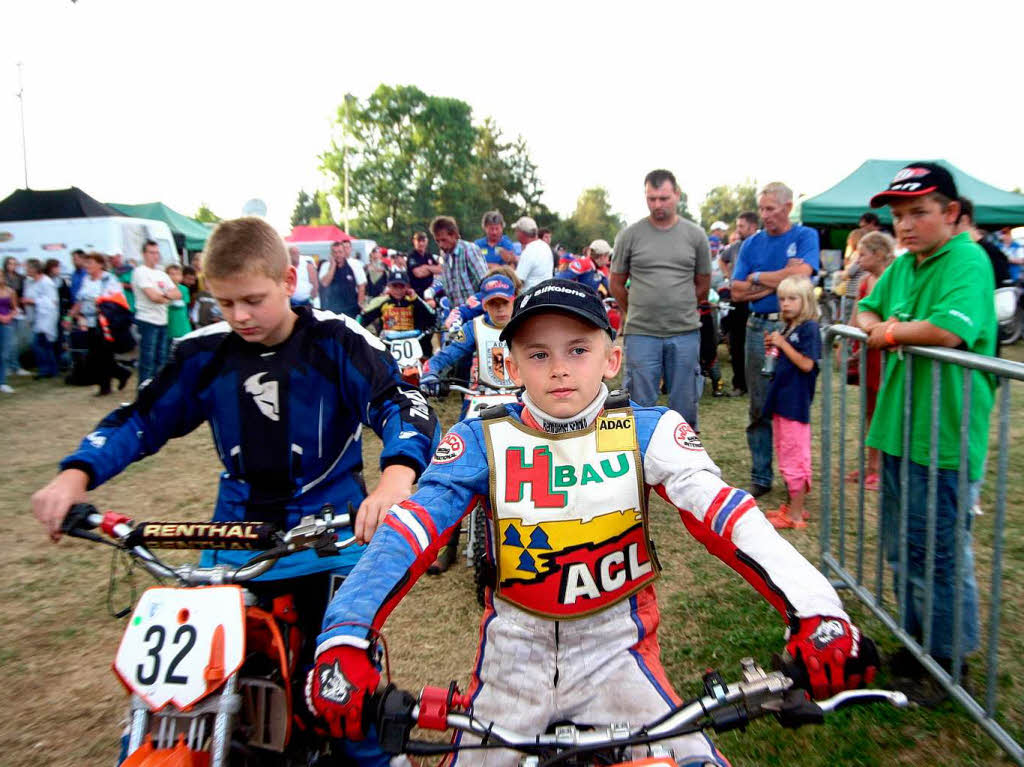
313 532
724 707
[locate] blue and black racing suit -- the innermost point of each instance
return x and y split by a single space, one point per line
286 422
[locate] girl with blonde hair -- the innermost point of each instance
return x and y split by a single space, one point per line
791 393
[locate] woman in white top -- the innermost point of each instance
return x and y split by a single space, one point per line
100 361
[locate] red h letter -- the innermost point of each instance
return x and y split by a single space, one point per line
537 475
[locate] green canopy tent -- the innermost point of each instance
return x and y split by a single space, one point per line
842 205
195 233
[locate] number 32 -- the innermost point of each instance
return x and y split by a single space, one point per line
157 634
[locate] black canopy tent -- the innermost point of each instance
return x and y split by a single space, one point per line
33 205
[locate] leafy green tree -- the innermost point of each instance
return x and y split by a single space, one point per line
683 207
306 210
593 218
206 215
324 216
725 203
412 156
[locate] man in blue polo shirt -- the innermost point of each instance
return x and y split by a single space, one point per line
496 247
779 250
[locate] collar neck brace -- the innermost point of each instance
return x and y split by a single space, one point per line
581 420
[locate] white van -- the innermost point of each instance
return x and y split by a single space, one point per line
57 237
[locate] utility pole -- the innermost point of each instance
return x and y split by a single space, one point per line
344 157
21 101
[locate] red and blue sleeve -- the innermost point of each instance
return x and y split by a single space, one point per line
409 539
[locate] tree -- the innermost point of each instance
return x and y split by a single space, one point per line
412 156
593 218
323 205
205 215
306 209
725 203
683 207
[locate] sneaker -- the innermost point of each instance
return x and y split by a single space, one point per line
757 490
925 692
444 560
4 388
904 665
21 372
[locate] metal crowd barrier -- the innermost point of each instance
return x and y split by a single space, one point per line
846 536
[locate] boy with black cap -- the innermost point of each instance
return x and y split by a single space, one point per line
926 298
399 307
570 624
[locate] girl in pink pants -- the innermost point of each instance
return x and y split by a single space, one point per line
791 393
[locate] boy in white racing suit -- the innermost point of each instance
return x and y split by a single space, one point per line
570 629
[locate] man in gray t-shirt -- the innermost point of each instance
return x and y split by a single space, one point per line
667 261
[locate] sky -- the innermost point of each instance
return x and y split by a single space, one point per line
218 101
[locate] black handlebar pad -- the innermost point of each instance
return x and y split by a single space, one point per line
238 536
77 518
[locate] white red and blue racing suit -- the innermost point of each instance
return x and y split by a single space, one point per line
569 631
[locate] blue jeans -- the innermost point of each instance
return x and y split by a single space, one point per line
46 362
6 338
11 348
152 349
677 360
759 428
945 554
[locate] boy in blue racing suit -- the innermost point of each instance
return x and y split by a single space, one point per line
479 339
287 393
570 627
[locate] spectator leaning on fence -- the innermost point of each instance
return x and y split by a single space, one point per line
939 293
782 249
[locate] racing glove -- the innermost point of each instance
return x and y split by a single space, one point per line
337 687
834 653
430 385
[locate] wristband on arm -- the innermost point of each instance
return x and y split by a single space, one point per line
889 337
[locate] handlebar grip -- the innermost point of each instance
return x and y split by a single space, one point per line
793 669
390 710
77 519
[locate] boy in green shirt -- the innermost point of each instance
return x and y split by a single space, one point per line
925 298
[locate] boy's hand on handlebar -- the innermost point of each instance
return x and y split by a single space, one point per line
834 653
395 486
50 504
430 384
337 687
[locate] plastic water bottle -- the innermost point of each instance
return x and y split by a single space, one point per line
771 359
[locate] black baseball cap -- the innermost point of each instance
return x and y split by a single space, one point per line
916 179
398 275
561 296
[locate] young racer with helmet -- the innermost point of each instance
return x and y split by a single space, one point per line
480 339
399 308
287 392
569 629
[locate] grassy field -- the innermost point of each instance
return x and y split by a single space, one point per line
57 641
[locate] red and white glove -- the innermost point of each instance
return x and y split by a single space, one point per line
337 687
835 654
